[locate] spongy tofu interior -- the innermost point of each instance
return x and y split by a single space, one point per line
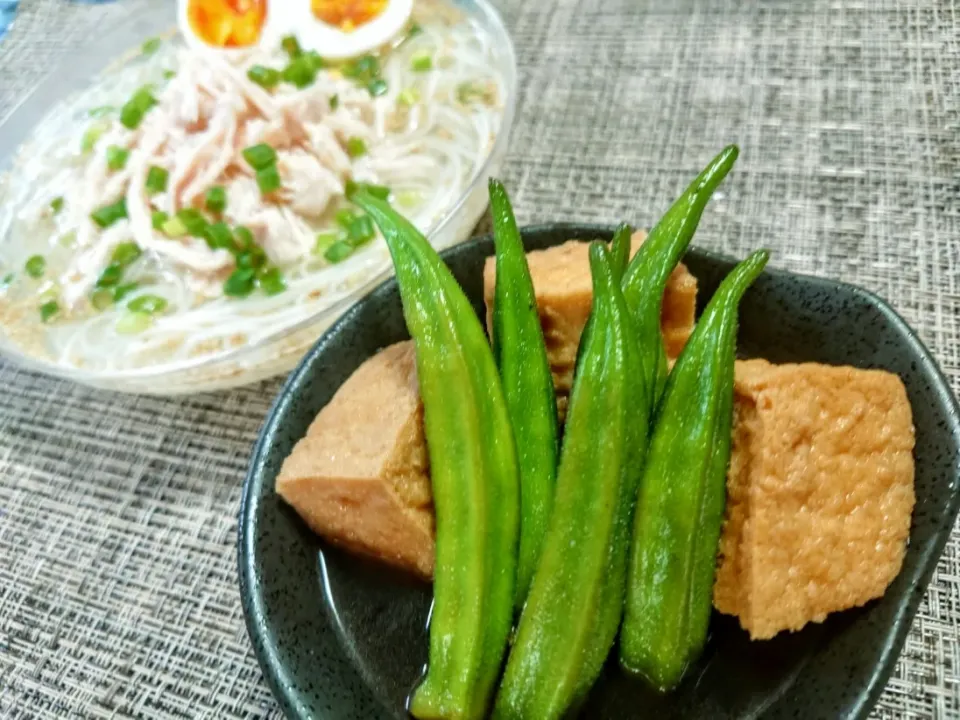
360 475
820 493
564 292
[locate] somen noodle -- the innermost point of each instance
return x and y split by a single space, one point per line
422 134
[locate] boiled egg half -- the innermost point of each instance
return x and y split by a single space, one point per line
340 29
225 24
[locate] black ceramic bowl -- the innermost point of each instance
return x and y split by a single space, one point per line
341 638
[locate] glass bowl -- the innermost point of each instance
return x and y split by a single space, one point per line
278 350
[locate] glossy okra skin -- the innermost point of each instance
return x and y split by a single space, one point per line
620 250
647 274
575 603
521 356
619 259
474 475
680 502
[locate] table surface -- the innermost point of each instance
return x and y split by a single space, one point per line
118 587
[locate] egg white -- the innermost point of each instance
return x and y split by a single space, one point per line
297 18
275 26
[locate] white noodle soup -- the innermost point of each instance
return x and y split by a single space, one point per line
191 203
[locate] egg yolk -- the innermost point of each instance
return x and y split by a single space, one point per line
227 23
347 15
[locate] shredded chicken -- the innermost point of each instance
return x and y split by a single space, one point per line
310 185
203 120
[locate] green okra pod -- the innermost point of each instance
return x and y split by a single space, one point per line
575 603
647 274
474 475
620 250
679 508
521 355
619 259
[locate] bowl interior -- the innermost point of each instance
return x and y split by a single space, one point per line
278 349
339 637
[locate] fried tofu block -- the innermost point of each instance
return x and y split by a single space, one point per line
561 282
820 493
360 476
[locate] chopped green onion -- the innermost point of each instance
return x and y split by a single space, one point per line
151 45
465 93
106 296
365 67
268 179
421 62
360 231
324 241
157 180
169 74
90 137
35 266
469 92
121 291
158 218
194 221
377 87
244 237
174 227
272 282
131 323
300 72
240 283
132 112
101 299
414 30
125 254
345 217
49 291
7 279
254 258
216 199
340 250
378 191
109 214
365 71
150 304
408 198
409 96
218 236
291 46
117 157
356 147
56 205
368 65
48 310
100 111
334 101
68 239
110 277
263 76
312 57
260 156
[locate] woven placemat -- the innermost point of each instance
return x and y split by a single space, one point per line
118 592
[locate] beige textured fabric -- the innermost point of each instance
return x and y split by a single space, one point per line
118 593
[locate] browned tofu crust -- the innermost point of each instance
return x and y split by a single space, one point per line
564 291
820 493
360 475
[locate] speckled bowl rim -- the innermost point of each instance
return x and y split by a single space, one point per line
279 678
